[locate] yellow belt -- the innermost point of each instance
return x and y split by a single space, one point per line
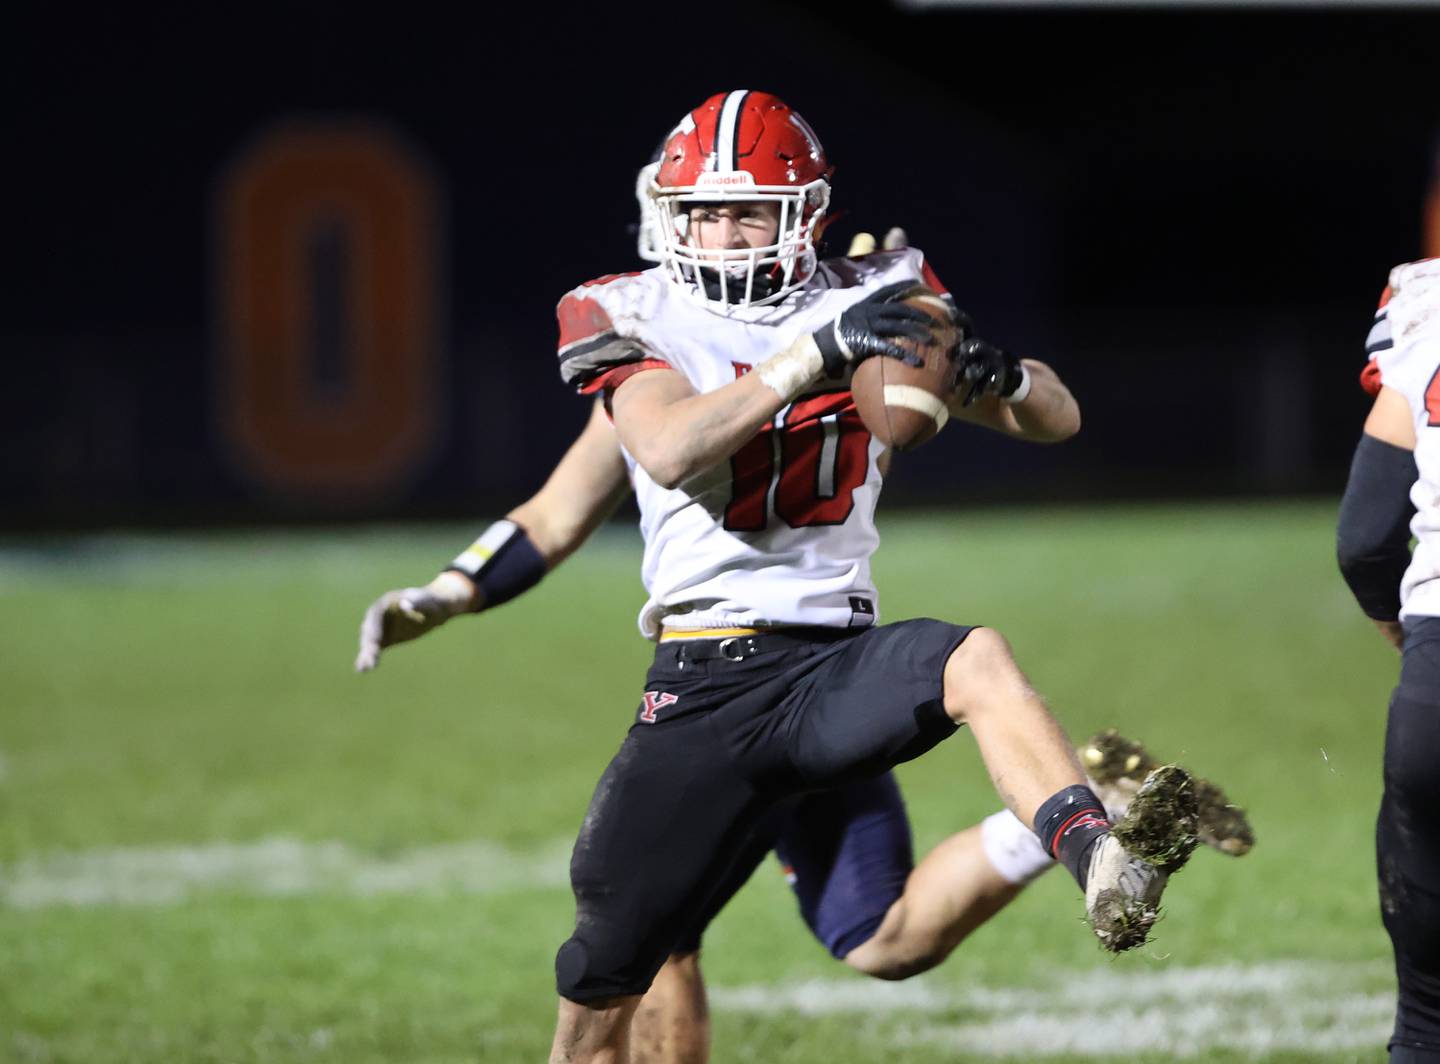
710 633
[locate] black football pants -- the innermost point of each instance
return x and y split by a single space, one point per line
716 746
1408 844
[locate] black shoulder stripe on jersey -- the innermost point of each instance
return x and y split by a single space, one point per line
598 342
1380 337
580 366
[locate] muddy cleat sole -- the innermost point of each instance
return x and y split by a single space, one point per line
1130 867
1117 765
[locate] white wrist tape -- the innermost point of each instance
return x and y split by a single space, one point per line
793 370
1021 393
473 558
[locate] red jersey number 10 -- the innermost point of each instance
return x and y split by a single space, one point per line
822 449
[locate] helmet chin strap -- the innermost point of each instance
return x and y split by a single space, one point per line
764 285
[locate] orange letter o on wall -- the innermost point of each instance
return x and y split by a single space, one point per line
327 312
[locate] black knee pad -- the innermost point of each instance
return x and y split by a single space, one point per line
584 972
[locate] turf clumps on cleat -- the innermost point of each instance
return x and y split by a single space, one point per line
1161 825
1132 864
1117 765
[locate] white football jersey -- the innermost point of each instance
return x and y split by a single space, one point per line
782 532
1406 345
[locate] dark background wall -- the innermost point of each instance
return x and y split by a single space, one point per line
303 263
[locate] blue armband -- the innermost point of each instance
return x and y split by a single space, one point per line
1372 536
502 563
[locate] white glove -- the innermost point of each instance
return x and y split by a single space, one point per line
399 616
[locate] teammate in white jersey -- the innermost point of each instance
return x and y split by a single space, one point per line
770 677
1394 493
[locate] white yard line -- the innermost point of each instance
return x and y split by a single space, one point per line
1183 1012
277 866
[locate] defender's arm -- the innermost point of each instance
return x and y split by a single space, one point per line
585 488
1372 536
513 554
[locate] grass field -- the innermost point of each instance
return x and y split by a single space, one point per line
219 844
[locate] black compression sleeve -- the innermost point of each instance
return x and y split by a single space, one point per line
1372 537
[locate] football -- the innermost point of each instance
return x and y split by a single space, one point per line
903 406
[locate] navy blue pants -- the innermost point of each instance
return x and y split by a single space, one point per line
846 853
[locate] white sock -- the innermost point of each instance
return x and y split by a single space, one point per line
1013 849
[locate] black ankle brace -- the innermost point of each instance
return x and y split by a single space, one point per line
1069 823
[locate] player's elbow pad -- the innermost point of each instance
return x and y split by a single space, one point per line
1372 537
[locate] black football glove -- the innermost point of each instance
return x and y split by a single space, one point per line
981 368
962 323
869 328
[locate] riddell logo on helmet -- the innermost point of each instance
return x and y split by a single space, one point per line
724 180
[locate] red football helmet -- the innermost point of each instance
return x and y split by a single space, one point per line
740 146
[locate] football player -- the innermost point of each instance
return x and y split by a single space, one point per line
846 852
724 372
1394 491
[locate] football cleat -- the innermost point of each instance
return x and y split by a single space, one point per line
1130 866
1117 766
